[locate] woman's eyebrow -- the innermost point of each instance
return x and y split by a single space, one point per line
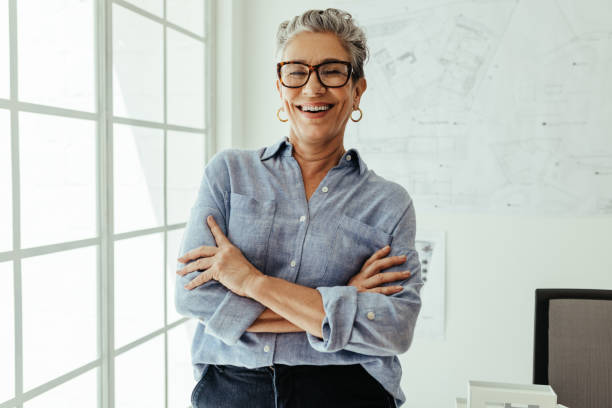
325 60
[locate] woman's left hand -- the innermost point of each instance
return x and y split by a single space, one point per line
224 263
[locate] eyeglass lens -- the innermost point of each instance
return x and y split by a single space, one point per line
331 74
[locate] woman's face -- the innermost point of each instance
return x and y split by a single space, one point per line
322 127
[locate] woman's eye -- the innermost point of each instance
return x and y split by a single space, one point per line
297 73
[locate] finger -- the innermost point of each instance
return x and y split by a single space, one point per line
384 263
385 277
200 264
377 255
219 236
198 252
199 280
386 290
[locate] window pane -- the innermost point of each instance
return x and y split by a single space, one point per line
4 51
139 290
6 192
58 179
76 393
56 59
59 313
174 243
152 6
137 66
7 339
138 177
186 159
180 373
185 80
188 14
139 376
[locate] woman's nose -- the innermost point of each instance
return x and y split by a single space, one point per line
313 86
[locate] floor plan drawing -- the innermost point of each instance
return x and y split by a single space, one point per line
490 106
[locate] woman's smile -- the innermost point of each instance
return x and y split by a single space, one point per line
315 110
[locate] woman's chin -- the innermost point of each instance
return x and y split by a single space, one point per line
316 136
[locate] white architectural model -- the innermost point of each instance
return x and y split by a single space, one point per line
501 395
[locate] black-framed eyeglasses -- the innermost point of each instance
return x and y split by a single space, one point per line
331 74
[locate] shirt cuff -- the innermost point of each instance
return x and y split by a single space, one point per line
340 304
232 317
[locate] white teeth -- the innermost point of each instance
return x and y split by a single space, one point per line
311 108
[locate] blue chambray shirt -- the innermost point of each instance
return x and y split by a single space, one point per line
258 200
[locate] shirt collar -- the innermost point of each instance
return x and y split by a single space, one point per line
284 148
272 150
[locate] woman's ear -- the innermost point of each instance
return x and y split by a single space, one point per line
278 85
359 89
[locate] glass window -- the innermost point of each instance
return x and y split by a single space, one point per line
152 6
138 62
77 393
138 177
6 185
87 216
58 179
4 50
180 374
139 378
56 60
185 80
59 314
139 290
189 14
174 238
7 340
186 159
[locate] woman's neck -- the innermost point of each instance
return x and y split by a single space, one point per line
317 159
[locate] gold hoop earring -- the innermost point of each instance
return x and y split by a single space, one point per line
278 115
360 115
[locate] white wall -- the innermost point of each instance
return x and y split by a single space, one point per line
494 263
228 56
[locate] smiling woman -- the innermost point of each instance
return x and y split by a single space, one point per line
297 259
302 93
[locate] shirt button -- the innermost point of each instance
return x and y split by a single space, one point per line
371 315
325 189
302 218
348 157
293 264
266 348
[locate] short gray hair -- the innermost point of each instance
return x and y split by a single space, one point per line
330 20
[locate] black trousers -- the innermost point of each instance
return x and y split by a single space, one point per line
283 386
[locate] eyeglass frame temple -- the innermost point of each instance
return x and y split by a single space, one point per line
313 68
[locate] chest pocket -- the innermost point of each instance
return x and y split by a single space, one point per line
354 243
249 226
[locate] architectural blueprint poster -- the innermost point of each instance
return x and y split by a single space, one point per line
490 106
432 253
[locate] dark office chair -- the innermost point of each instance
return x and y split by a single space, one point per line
573 345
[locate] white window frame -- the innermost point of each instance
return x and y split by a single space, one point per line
105 239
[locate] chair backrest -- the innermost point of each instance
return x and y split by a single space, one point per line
573 345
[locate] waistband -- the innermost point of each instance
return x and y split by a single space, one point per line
300 368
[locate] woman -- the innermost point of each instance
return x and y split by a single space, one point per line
283 255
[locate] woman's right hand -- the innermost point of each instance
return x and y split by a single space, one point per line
371 277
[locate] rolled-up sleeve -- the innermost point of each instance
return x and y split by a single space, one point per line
224 314
373 323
